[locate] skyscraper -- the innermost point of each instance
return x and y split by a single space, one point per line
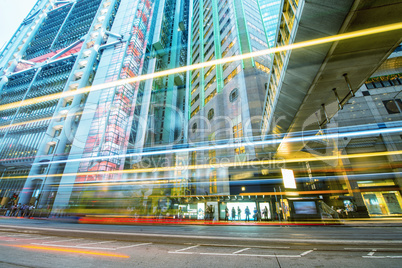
270 17
225 99
59 121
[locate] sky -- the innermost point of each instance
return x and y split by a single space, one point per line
12 13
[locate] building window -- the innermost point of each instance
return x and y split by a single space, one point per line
195 111
237 134
228 48
51 149
68 103
57 133
210 96
209 71
211 114
195 78
195 99
234 94
261 67
213 185
195 88
240 150
213 80
232 75
67 149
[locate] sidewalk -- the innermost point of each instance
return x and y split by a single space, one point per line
373 222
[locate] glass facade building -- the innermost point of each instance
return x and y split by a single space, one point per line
270 11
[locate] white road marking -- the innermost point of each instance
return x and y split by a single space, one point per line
236 253
27 238
16 235
383 257
306 252
94 243
63 240
372 252
252 255
244 249
243 246
370 249
187 248
136 245
174 252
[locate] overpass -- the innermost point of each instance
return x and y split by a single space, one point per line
308 86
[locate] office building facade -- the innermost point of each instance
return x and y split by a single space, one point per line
225 99
70 127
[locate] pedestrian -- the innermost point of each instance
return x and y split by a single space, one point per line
31 210
25 211
19 209
226 214
13 210
255 215
211 211
207 213
247 211
233 213
238 213
265 213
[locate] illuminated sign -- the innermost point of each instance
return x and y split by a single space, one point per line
288 178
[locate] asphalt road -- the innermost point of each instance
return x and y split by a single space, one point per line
42 243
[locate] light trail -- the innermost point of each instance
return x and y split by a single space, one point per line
314 42
74 251
218 165
239 144
39 120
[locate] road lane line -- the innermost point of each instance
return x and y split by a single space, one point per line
62 240
250 255
244 249
136 245
243 246
306 252
383 257
370 249
174 252
94 243
187 248
16 235
21 239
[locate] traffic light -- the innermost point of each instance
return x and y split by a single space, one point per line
15 196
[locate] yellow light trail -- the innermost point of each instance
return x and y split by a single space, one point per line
218 165
74 251
314 42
